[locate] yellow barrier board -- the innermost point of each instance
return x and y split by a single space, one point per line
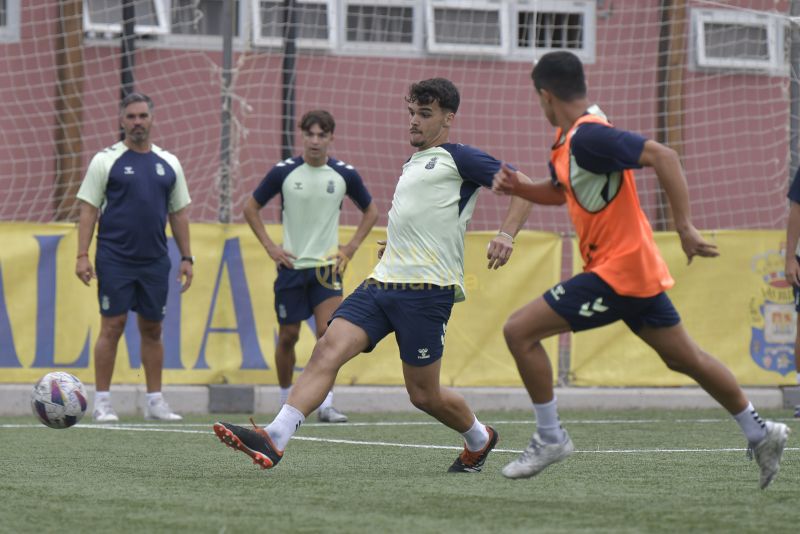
223 329
737 307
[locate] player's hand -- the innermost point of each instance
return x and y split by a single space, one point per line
499 251
792 270
505 181
343 257
84 270
281 257
693 245
381 248
185 275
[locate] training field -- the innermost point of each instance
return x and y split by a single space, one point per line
633 471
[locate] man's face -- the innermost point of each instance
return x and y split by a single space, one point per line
136 121
315 145
429 124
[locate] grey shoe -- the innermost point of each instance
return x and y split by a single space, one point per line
331 415
160 411
537 456
767 452
104 413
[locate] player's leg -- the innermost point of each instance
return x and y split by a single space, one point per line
450 408
580 303
357 326
115 294
658 324
292 307
796 292
152 288
105 355
323 312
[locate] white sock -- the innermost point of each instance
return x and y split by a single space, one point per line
285 394
547 422
476 437
328 401
154 397
285 424
102 396
751 424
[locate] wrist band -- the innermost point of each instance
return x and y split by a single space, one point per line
506 235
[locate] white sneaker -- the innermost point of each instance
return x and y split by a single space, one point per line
769 450
104 413
537 456
159 410
331 415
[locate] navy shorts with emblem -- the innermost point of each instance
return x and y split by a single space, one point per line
299 291
416 313
141 287
586 301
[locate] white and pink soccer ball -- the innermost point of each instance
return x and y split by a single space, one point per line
59 400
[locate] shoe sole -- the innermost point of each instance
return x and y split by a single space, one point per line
229 438
784 439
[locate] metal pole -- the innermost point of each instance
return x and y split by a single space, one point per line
794 92
225 202
289 76
128 49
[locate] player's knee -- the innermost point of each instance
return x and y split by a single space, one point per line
513 332
422 400
151 332
288 338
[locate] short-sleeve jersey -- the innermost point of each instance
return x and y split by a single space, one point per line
794 196
432 204
615 238
311 201
134 192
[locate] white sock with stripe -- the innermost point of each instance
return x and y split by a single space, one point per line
476 437
285 424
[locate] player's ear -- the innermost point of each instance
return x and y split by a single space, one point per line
448 118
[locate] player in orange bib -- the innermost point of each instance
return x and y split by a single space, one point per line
624 278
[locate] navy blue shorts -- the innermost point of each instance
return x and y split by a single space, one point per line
585 301
299 291
417 314
141 287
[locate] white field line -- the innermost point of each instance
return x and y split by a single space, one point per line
180 428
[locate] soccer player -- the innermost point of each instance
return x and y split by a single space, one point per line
310 261
135 187
412 289
624 276
792 270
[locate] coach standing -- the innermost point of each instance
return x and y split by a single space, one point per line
135 187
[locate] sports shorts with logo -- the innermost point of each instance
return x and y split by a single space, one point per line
138 286
299 291
585 301
416 313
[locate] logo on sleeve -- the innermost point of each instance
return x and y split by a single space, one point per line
432 163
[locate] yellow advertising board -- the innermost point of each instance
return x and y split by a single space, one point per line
223 329
737 307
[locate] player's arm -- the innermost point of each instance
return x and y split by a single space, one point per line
179 224
502 245
507 181
275 251
87 220
667 165
368 218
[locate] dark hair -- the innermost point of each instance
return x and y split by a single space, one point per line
133 98
439 90
319 117
561 73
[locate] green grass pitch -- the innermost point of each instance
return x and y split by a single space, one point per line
633 471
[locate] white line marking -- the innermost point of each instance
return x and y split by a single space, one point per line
174 428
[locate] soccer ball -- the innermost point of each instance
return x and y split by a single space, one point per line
59 400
